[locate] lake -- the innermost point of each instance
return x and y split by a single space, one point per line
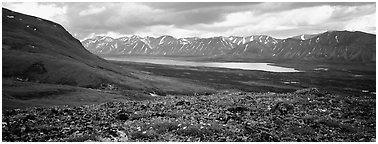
230 65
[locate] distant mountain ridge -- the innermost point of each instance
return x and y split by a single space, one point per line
305 36
331 45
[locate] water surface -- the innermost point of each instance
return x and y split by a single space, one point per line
230 65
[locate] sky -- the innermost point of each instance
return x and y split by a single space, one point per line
202 19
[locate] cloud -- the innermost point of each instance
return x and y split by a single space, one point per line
204 19
92 10
286 23
249 23
364 23
184 6
48 11
120 17
284 6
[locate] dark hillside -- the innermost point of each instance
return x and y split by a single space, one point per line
35 49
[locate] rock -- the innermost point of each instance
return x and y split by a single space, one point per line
182 103
30 117
123 116
123 136
107 86
23 129
143 107
241 93
159 114
54 111
153 95
247 97
283 108
237 109
68 111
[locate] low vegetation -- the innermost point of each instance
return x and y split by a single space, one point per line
304 115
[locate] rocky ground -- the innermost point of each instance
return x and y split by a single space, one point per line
305 115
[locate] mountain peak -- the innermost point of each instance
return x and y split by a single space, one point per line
135 37
167 36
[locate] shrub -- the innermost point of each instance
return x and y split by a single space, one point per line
191 131
82 138
301 130
348 128
139 116
197 132
144 135
162 127
329 122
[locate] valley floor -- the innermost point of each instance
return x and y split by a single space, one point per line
345 79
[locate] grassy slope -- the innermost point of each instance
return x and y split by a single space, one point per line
28 94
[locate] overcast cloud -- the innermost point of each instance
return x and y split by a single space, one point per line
280 20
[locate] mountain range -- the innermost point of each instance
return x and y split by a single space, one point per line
331 45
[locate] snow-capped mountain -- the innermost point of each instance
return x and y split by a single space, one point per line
163 45
331 45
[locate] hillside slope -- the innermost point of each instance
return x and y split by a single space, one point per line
40 51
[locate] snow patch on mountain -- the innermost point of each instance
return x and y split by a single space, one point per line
239 42
302 37
146 42
162 40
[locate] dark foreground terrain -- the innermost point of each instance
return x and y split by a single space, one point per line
304 115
